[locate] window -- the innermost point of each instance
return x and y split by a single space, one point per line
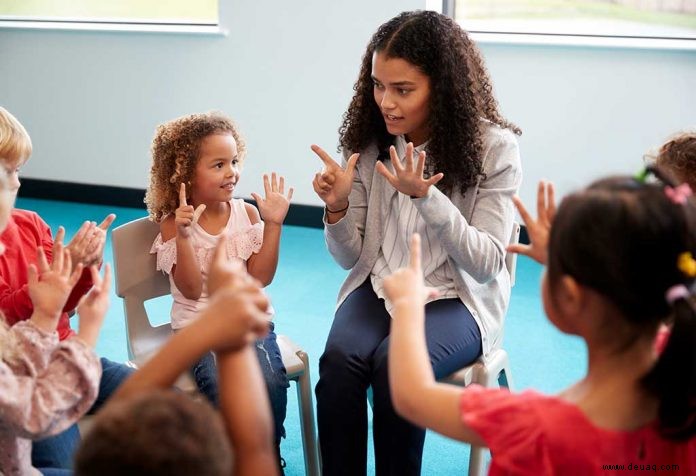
673 19
156 13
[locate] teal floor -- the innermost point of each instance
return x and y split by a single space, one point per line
303 294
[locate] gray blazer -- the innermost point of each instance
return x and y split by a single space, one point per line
474 228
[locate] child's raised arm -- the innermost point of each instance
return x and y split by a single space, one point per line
416 395
273 210
186 273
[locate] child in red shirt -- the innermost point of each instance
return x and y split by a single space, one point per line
24 233
619 264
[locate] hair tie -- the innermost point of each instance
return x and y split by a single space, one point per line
687 264
676 292
642 175
678 194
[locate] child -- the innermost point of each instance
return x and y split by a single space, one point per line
437 157
149 429
24 233
46 384
678 155
619 263
196 164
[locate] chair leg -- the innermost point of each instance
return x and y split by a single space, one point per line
307 427
477 461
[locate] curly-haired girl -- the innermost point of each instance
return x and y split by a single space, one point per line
423 114
196 164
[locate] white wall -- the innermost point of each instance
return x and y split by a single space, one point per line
91 100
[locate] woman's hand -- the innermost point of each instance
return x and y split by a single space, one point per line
50 285
539 229
185 215
407 283
408 178
95 252
274 208
333 184
93 306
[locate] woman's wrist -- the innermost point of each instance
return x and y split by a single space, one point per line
337 208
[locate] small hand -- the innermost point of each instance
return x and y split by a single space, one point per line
95 251
408 179
407 283
80 245
50 285
93 306
539 229
185 215
274 208
224 274
333 184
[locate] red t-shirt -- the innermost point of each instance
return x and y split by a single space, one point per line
533 434
24 233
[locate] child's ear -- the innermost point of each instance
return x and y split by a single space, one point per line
571 295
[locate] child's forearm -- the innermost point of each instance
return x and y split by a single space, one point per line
246 410
174 358
187 273
263 265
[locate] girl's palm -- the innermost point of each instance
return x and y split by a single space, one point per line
273 208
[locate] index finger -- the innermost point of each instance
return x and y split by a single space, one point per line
415 259
106 223
182 195
326 158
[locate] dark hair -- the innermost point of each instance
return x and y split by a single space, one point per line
158 433
623 238
461 95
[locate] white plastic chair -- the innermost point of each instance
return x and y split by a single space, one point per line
137 281
494 370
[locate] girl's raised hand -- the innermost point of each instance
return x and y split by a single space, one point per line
408 178
333 184
539 229
185 215
275 206
50 285
93 306
407 283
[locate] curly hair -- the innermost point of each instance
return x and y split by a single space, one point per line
461 95
678 155
157 433
175 151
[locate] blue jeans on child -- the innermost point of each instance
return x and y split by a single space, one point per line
57 451
274 373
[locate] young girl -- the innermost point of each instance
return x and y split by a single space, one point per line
619 264
196 164
437 157
47 384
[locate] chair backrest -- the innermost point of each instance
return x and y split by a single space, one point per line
511 258
137 280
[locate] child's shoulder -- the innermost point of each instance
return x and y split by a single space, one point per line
25 218
251 211
167 227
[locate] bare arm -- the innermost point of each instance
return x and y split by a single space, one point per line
416 395
186 272
263 265
246 412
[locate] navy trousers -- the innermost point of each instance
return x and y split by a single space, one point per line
355 358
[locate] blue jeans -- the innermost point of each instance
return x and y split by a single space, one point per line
57 451
355 358
274 373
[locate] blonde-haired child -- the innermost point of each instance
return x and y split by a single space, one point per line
196 165
620 263
24 234
46 384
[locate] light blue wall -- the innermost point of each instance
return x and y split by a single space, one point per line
91 100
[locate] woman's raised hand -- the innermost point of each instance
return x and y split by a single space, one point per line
333 184
274 208
408 178
539 229
185 215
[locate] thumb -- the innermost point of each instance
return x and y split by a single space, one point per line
257 198
198 212
352 161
